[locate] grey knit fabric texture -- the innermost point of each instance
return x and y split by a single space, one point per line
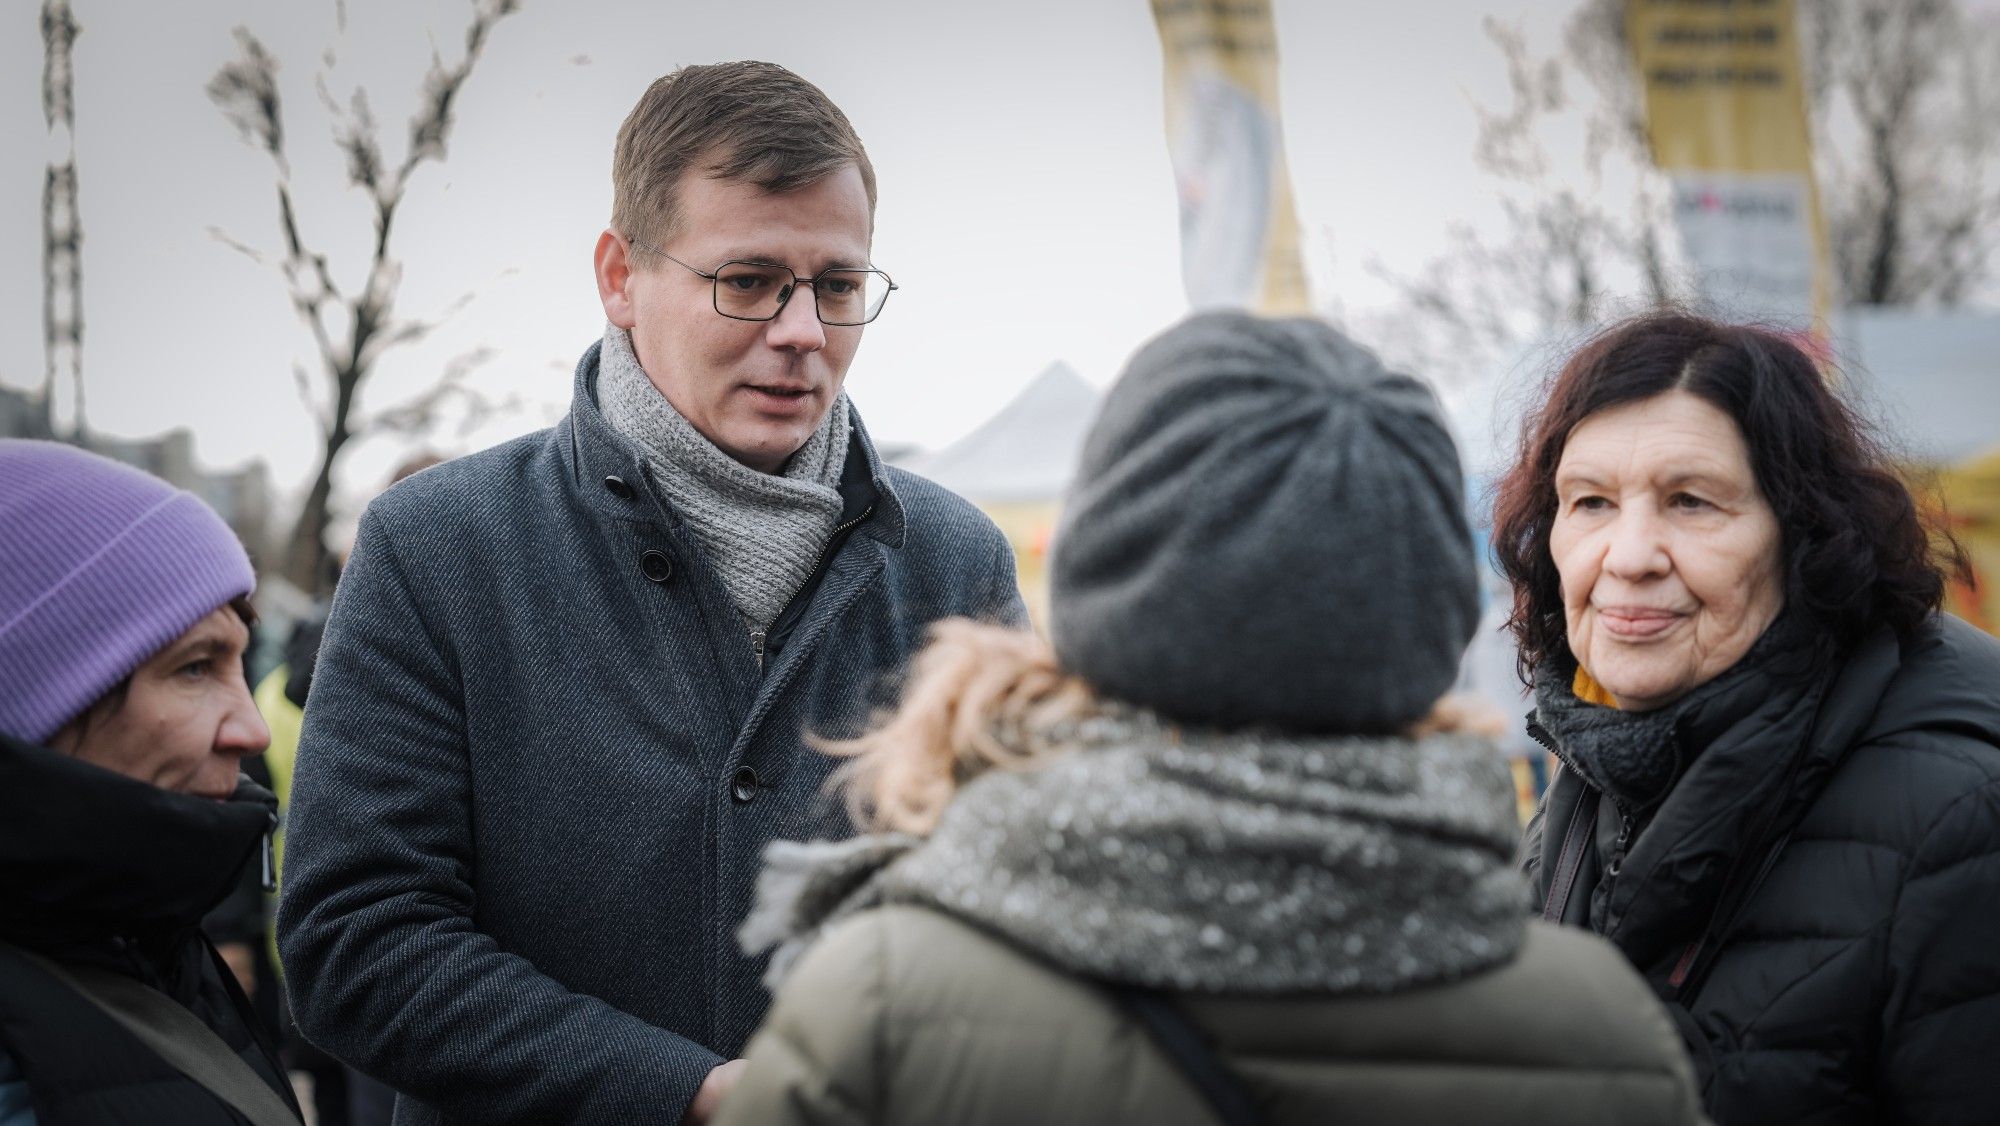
1266 527
1201 861
761 532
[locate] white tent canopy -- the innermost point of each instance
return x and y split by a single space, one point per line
1027 452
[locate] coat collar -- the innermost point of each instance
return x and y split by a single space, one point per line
596 453
1400 845
90 855
1635 758
1760 754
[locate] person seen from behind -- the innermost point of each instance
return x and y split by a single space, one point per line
1780 784
1220 852
124 717
342 1095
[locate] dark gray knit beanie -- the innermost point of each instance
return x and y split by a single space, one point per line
1267 528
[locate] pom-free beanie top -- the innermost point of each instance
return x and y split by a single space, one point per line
101 565
1267 528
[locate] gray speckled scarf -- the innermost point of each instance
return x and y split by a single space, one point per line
1201 862
761 532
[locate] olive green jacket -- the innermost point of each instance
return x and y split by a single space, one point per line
903 1014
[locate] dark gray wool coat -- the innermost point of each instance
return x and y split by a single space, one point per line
540 765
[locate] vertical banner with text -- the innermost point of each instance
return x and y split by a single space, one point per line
1726 118
1239 234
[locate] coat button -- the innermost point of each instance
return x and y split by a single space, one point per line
743 787
618 487
656 566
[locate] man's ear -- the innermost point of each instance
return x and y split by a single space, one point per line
614 279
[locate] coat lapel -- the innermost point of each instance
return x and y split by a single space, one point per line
1763 754
858 565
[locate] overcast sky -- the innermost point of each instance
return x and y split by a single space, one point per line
1011 139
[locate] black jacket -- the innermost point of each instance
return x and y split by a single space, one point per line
1818 896
101 870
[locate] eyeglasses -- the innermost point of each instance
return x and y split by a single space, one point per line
758 291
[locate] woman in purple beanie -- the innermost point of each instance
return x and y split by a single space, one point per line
123 718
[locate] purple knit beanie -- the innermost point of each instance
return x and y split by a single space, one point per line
101 565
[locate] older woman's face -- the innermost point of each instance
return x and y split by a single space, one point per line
186 720
1667 549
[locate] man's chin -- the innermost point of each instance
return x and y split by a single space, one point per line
768 451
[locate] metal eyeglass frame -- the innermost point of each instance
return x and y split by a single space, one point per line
784 295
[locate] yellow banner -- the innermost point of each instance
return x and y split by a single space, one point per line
1239 233
1726 119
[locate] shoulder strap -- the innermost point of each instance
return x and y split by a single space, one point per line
1582 828
175 1035
1691 971
1192 1054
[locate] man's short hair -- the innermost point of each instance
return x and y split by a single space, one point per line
754 122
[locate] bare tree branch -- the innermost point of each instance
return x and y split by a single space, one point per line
1902 95
302 383
248 251
431 126
247 93
352 329
1564 253
358 140
1905 93
419 415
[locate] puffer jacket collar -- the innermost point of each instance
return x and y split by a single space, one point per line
1755 756
1634 758
95 866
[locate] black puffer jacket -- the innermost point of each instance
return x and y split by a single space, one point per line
100 870
1817 898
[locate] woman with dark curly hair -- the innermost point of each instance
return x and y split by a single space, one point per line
1780 784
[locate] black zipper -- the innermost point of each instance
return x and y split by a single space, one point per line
1541 735
267 858
1627 822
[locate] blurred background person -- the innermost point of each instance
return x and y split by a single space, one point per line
124 717
1780 783
1219 852
341 1095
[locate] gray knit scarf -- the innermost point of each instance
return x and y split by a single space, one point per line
1637 757
761 532
1200 862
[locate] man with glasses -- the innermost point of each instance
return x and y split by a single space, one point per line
566 685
